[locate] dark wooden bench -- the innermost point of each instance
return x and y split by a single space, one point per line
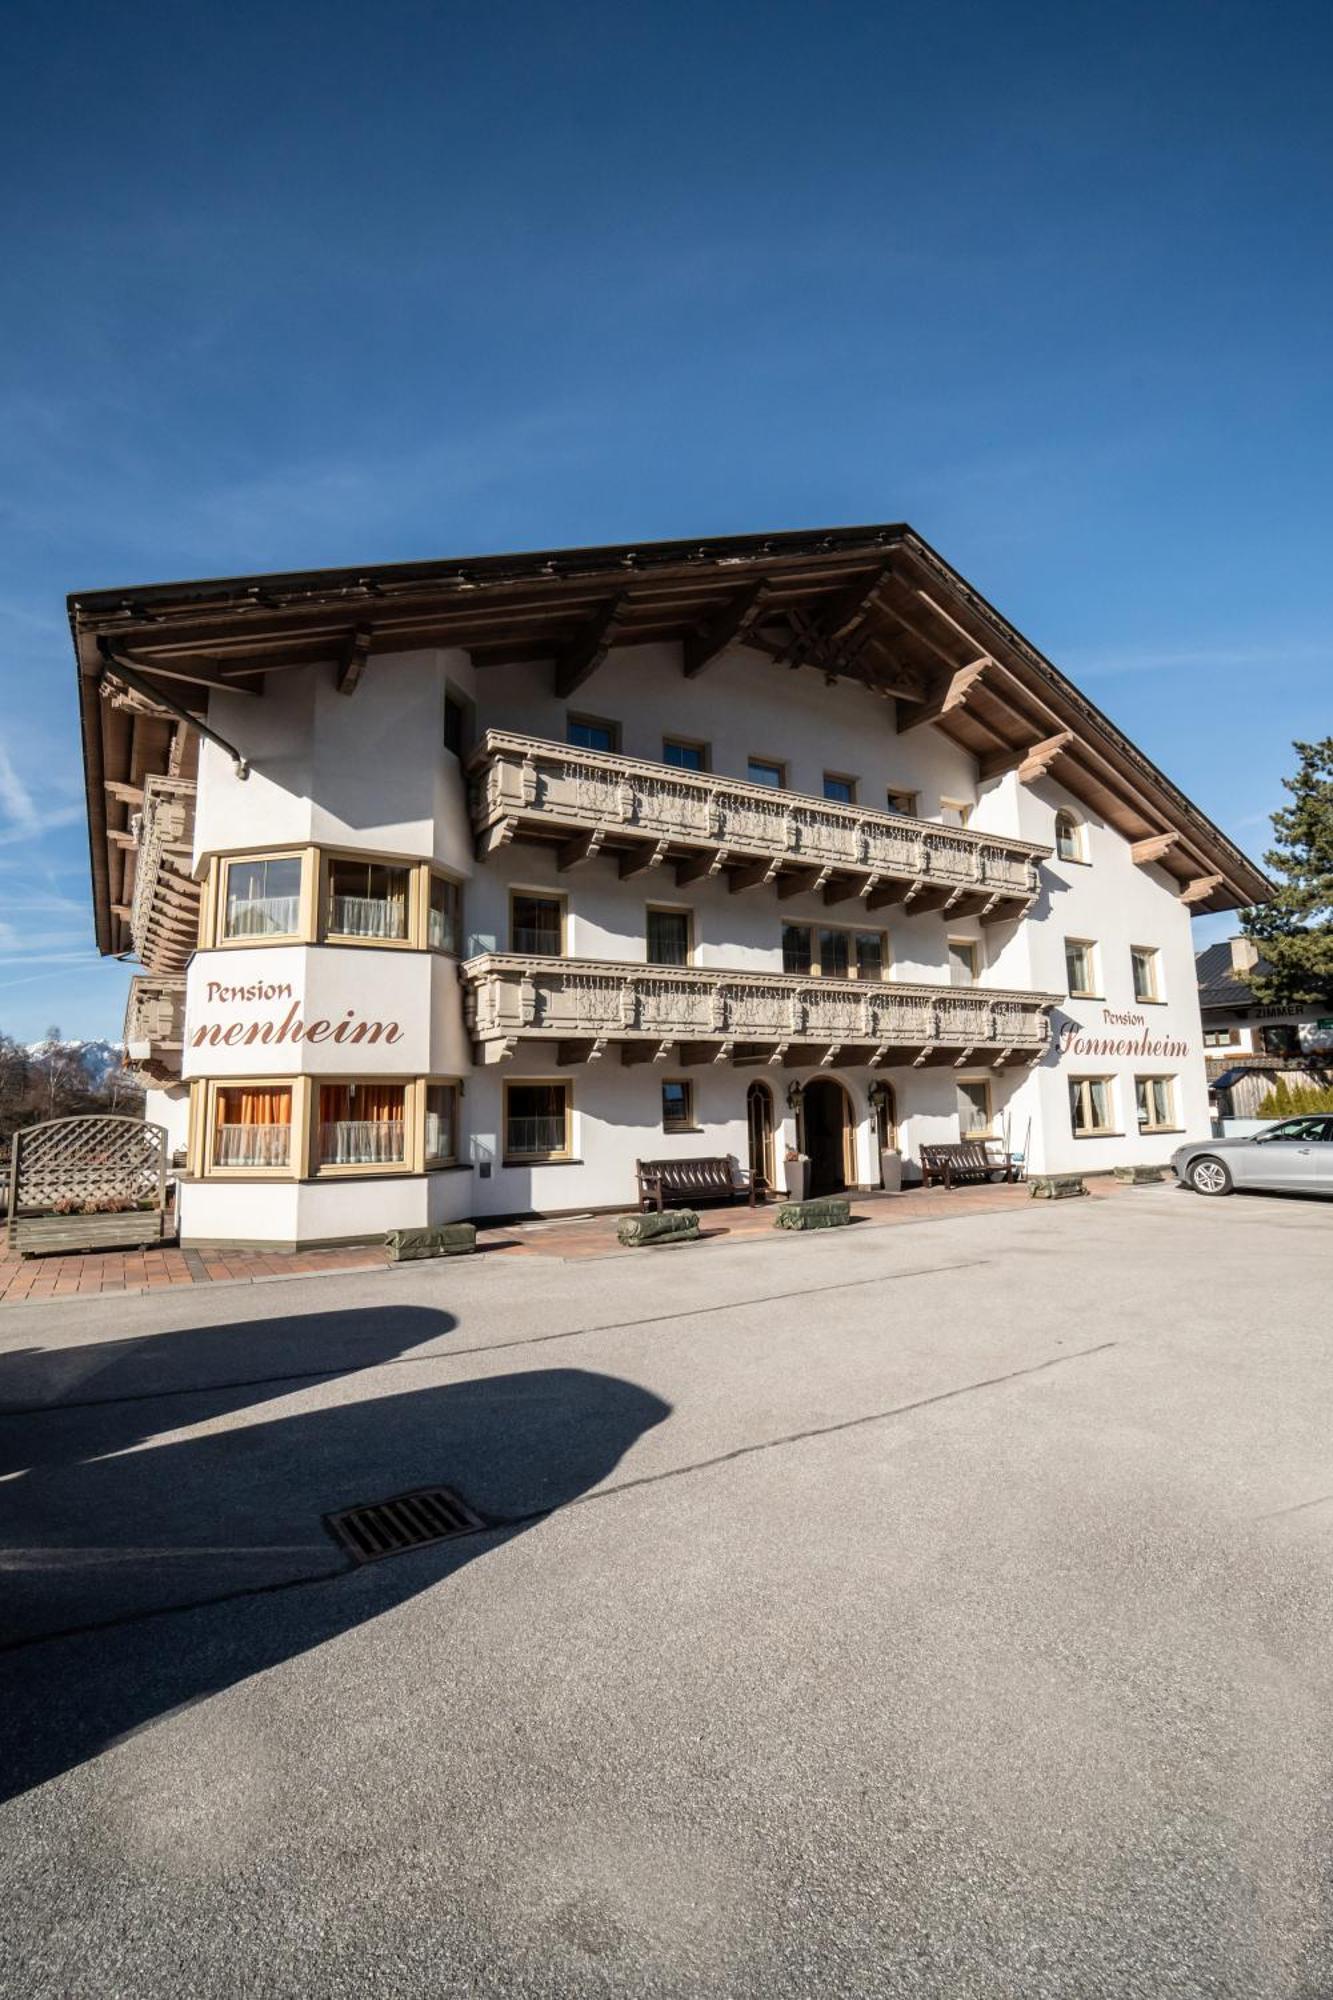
717 1179
964 1160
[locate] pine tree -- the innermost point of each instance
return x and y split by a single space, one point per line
1294 932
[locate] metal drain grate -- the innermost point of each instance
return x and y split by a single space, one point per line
407 1521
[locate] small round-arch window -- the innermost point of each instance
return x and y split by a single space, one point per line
1068 837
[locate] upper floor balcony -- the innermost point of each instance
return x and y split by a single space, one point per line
650 815
164 916
690 1014
155 1027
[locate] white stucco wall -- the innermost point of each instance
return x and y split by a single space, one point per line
370 772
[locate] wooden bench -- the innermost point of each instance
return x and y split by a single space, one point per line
692 1180
964 1160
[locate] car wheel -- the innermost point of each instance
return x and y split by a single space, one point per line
1208 1176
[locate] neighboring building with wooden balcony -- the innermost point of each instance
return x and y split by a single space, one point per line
154 1031
460 886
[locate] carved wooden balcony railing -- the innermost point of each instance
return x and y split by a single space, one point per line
164 917
155 1027
651 815
657 1013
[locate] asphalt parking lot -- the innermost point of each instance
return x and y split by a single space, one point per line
937 1611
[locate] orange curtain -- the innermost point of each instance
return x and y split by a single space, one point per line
247 1105
373 1103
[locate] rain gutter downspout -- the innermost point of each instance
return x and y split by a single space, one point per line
134 679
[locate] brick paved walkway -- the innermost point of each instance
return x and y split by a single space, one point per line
577 1236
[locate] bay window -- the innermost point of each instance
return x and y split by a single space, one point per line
261 896
441 1124
367 899
252 1126
361 1125
444 915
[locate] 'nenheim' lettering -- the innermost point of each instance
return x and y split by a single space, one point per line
291 1030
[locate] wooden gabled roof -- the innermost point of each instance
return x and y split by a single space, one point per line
874 604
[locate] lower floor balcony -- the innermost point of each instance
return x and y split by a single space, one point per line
581 1008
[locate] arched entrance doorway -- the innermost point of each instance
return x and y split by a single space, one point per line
826 1132
759 1119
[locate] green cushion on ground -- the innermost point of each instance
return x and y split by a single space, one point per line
674 1225
831 1211
1056 1187
450 1239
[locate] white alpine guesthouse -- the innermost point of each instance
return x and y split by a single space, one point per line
459 887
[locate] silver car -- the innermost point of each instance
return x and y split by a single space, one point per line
1295 1156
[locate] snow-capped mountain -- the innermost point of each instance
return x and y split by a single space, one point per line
95 1059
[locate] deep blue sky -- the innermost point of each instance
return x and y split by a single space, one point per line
297 285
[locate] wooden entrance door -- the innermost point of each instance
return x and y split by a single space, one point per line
824 1118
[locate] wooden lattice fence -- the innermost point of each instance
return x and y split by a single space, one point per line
76 1164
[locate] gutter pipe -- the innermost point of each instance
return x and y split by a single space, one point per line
134 679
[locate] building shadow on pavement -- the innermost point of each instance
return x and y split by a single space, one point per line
116 1511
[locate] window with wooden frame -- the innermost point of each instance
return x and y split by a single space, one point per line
670 937
976 1120
955 812
444 915
767 771
592 732
1081 969
1069 837
839 788
365 901
441 1124
260 898
1220 1038
683 754
360 1126
1155 1097
678 1105
1145 963
250 1128
536 924
826 951
964 961
902 802
538 1121
1092 1106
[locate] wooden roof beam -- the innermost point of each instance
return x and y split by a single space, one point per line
352 665
582 657
1144 851
1031 761
951 694
1199 890
731 628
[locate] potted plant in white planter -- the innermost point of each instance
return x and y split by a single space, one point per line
798 1174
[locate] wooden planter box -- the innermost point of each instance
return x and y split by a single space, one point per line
40 1235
